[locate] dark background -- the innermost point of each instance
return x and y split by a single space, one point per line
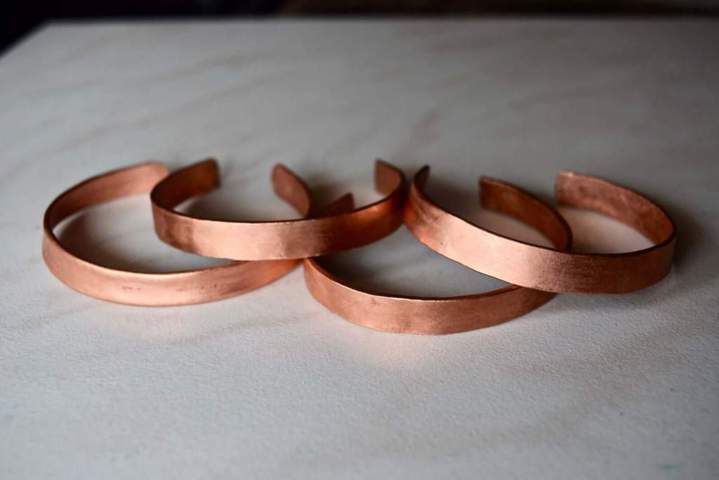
18 17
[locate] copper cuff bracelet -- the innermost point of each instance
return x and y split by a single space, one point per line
285 239
442 315
543 268
153 289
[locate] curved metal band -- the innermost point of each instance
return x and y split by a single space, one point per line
442 315
544 268
152 289
286 239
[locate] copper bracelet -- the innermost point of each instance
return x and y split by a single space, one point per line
153 289
542 268
442 315
270 240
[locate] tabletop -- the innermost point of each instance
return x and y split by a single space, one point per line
270 384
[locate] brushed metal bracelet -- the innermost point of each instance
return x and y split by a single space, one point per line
154 289
271 240
443 315
544 268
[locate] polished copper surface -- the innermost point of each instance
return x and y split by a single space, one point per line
284 239
155 289
442 315
543 268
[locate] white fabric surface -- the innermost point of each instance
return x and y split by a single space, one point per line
270 384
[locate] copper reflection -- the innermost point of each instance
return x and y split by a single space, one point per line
174 288
442 315
284 239
543 268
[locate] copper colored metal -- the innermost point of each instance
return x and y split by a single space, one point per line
544 268
155 289
442 315
284 239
